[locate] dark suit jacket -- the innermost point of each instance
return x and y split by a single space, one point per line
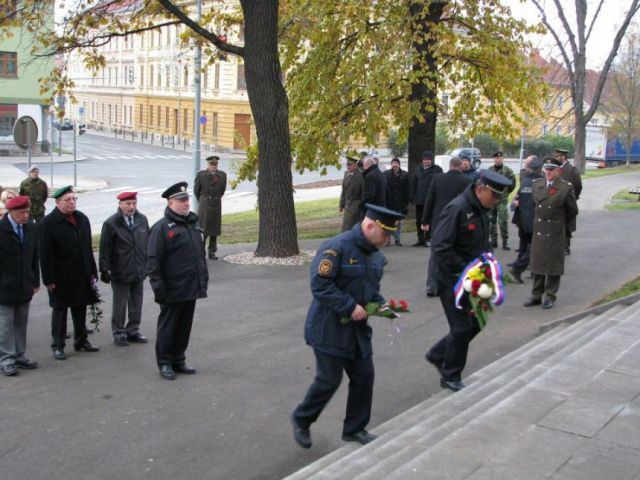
374 190
19 272
444 188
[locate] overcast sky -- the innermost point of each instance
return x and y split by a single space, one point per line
608 21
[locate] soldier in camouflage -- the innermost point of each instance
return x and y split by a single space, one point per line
499 215
37 191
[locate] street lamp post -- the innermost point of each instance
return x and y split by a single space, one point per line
197 94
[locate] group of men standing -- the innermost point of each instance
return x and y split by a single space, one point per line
57 248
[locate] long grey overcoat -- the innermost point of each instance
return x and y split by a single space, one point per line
554 209
209 188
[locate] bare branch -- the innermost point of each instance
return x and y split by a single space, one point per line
203 32
593 20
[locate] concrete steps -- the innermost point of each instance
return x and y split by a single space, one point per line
501 401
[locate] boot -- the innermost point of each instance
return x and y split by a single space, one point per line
504 245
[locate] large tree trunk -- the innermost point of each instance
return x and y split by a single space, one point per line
277 230
422 131
579 138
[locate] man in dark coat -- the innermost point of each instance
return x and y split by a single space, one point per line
351 195
123 263
468 170
444 188
419 189
345 277
572 175
374 189
555 206
37 191
178 275
523 215
499 215
68 270
209 187
19 281
461 235
397 197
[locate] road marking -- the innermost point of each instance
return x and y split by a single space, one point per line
237 194
118 189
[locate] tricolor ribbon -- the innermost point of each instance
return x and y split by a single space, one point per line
496 278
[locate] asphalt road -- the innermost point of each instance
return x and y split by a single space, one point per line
108 415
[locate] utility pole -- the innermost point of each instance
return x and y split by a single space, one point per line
196 123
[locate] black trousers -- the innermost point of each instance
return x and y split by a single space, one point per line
174 330
422 235
450 352
328 377
59 325
524 253
432 275
213 244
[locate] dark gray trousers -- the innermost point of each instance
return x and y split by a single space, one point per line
13 331
546 285
126 296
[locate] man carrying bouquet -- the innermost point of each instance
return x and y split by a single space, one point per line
461 235
345 277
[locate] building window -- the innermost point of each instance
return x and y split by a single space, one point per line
159 115
204 126
185 77
216 78
151 115
166 117
141 114
142 76
242 82
545 130
167 76
205 83
185 120
8 117
151 76
214 125
560 102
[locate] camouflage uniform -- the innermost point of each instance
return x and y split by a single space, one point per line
37 191
499 215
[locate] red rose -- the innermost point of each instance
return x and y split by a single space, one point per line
553 191
171 234
393 304
404 305
487 273
471 226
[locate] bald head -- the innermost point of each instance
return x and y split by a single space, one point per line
368 161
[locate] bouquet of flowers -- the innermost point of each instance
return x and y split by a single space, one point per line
482 283
94 309
391 310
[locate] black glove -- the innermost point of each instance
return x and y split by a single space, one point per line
105 277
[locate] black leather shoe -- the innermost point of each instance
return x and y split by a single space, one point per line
532 302
567 251
418 244
213 256
137 338
26 363
120 342
8 370
431 293
455 385
362 437
506 247
167 372
301 435
547 304
517 276
398 243
59 354
85 347
184 368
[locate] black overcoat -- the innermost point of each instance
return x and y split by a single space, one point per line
123 252
421 183
397 197
66 259
374 190
209 189
19 271
444 188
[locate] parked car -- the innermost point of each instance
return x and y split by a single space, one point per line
65 124
472 153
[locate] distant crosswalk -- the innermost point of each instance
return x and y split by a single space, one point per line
140 156
157 191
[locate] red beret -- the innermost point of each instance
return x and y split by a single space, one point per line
21 201
127 196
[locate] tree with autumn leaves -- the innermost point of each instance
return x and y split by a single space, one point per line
352 68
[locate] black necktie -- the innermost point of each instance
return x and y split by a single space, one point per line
130 222
20 233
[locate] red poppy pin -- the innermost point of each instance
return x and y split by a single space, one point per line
471 226
171 234
553 191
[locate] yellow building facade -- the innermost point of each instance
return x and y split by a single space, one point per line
146 91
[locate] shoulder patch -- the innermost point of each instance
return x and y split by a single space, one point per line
331 252
324 268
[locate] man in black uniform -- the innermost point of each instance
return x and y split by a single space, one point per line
419 189
178 275
345 276
462 234
523 217
572 175
444 188
374 187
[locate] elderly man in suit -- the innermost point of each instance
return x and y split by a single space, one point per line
19 281
68 270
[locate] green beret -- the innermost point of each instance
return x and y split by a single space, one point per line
61 191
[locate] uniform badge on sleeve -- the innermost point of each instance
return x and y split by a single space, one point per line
325 267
